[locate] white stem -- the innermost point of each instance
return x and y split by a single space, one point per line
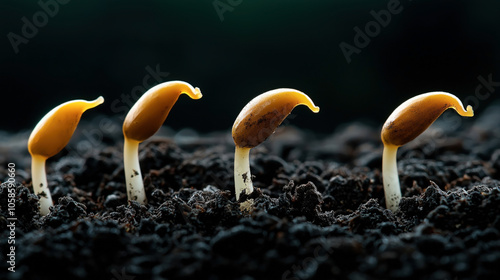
242 175
133 177
390 176
40 186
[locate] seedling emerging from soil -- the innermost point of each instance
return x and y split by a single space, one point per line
256 122
408 121
142 121
49 137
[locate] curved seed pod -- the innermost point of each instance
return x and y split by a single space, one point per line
408 121
416 114
263 114
150 111
256 122
142 121
55 129
49 137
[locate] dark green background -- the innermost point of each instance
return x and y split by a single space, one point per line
92 48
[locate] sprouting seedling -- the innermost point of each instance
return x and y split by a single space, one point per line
142 121
408 121
256 122
50 136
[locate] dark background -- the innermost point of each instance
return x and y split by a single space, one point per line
92 48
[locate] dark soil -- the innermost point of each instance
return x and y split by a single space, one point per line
318 211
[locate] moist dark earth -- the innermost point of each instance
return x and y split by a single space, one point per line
317 212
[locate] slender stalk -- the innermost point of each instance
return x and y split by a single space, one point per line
390 176
133 177
242 175
40 186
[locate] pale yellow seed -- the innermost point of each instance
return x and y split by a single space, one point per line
149 112
55 129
